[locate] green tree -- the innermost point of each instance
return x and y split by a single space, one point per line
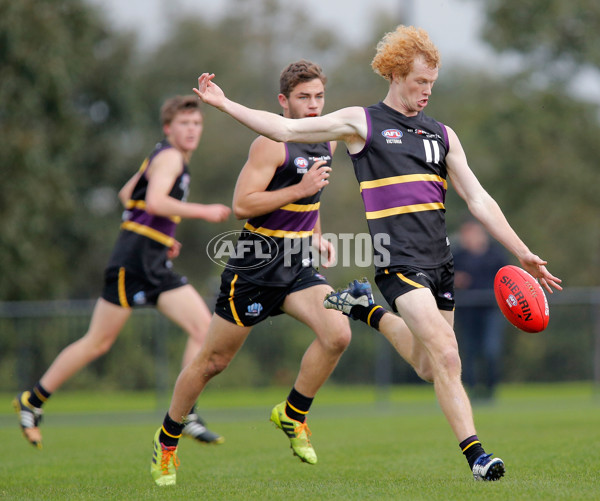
547 31
61 113
556 43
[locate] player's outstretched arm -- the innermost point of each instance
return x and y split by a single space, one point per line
265 123
347 124
488 212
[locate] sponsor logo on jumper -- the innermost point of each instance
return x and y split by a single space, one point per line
421 132
392 136
322 157
301 164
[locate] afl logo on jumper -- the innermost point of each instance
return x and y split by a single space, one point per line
392 136
301 165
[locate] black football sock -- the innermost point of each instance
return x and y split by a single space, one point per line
370 315
472 449
38 395
170 432
297 406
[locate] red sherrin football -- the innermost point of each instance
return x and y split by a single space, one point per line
521 299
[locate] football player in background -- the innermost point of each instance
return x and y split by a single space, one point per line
139 272
278 192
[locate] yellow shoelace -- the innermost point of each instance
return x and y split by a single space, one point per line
167 454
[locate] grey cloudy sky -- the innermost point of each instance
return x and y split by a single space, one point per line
452 24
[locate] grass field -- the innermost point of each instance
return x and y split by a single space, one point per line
370 445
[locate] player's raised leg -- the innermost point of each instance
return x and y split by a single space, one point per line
356 301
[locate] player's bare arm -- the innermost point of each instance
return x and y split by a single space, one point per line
251 197
323 246
162 173
487 211
126 191
348 124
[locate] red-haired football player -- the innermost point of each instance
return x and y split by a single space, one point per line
403 159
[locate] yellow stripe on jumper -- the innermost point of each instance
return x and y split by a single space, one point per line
301 208
278 233
144 165
408 178
141 205
146 231
406 209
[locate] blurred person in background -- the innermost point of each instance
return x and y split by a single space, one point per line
139 272
278 192
479 327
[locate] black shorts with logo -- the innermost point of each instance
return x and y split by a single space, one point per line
394 282
129 289
245 303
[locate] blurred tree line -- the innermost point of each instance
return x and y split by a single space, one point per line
79 106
